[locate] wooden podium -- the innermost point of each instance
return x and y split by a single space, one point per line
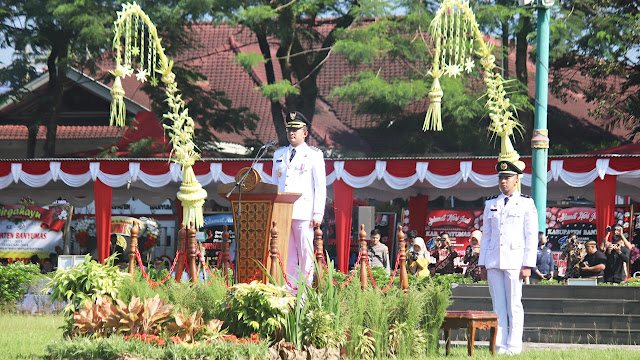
261 204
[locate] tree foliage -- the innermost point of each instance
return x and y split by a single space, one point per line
63 33
302 33
395 101
596 44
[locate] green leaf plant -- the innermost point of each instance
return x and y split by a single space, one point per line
85 282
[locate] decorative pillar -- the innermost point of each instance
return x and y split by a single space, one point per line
133 246
193 271
404 277
364 257
540 139
273 267
319 251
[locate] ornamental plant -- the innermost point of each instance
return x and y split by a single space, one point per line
85 282
13 281
255 308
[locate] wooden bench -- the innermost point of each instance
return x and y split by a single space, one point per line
472 320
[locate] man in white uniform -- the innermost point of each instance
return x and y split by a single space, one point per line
299 168
507 254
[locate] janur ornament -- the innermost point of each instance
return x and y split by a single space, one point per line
456 39
137 45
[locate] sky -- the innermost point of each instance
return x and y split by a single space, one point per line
5 57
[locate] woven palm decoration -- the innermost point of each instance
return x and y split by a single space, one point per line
137 45
456 39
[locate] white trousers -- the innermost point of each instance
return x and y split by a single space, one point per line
505 287
300 252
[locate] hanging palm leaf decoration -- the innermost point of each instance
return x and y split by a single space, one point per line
137 45
455 35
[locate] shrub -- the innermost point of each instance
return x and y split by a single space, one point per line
14 279
197 297
255 308
85 282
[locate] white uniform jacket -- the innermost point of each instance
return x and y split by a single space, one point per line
305 174
510 233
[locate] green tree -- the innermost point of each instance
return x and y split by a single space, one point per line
396 102
65 33
58 33
303 34
598 40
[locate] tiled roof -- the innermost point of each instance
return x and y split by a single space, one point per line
19 132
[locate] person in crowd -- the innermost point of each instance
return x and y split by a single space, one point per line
411 237
613 231
574 253
634 260
4 262
54 259
378 252
116 247
300 168
445 254
47 266
35 260
508 253
419 259
617 255
594 262
471 255
544 261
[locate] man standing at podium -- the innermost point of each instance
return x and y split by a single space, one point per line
299 168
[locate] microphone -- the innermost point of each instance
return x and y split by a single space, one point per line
269 144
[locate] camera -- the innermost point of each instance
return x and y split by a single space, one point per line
608 229
414 255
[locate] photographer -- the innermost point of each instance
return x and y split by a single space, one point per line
574 253
418 260
615 230
594 263
378 252
617 255
444 254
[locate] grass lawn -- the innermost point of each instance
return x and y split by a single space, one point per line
25 337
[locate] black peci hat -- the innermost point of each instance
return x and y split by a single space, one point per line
507 168
296 120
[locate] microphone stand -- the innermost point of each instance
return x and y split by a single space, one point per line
238 185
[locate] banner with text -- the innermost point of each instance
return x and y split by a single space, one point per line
27 230
459 224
